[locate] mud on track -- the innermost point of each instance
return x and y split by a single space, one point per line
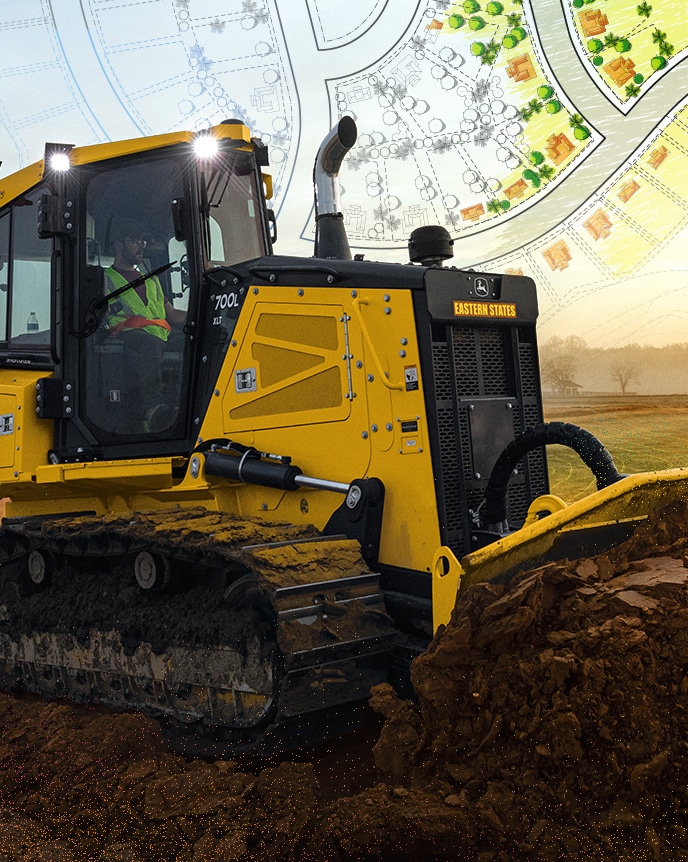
551 724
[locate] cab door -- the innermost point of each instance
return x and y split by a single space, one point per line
129 296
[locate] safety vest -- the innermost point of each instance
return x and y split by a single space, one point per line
132 312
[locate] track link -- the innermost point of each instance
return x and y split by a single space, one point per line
245 627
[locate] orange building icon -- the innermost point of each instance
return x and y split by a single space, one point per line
598 225
559 148
516 190
627 191
521 68
593 22
473 213
514 271
657 157
557 256
620 70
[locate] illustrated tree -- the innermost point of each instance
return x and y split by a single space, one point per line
622 46
553 106
536 158
535 105
456 21
491 52
494 8
546 172
532 178
545 92
658 36
658 63
595 46
470 7
580 131
476 23
666 50
624 371
478 49
494 206
610 40
644 10
513 20
632 91
559 361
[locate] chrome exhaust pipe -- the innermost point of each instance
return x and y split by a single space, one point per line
331 240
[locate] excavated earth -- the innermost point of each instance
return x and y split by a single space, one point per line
551 723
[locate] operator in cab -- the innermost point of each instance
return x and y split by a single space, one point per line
142 318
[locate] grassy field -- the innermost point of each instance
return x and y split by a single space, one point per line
641 433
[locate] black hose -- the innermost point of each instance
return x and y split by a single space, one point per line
592 453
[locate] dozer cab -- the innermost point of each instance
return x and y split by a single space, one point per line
243 531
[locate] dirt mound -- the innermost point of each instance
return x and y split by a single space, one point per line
551 724
556 711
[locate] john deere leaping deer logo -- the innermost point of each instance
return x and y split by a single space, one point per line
481 287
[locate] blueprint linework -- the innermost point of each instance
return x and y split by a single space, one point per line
547 136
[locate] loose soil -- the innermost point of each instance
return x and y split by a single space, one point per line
551 723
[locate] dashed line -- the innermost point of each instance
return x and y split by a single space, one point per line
359 27
659 186
25 22
630 222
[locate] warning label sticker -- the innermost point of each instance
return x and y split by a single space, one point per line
411 377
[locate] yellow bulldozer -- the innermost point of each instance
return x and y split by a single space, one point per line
243 488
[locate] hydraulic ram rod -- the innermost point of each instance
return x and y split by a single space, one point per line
274 474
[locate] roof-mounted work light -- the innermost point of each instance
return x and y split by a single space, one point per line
55 211
56 157
205 146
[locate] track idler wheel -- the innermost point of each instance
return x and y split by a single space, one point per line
152 571
40 566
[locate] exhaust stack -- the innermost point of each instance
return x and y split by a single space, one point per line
331 240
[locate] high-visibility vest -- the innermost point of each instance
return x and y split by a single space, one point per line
131 309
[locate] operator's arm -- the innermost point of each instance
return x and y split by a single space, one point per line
174 315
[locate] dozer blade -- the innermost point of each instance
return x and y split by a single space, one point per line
237 634
589 526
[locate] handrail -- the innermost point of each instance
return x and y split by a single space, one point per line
369 341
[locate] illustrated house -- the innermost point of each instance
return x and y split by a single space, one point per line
599 225
433 29
516 190
627 191
593 22
559 148
557 256
473 213
657 157
620 70
521 68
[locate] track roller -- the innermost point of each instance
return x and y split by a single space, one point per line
152 571
40 565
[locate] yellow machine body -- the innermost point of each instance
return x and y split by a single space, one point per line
304 409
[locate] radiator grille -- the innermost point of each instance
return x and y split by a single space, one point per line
472 367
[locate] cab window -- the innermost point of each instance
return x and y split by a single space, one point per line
24 276
233 225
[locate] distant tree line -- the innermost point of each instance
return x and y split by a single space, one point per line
569 363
